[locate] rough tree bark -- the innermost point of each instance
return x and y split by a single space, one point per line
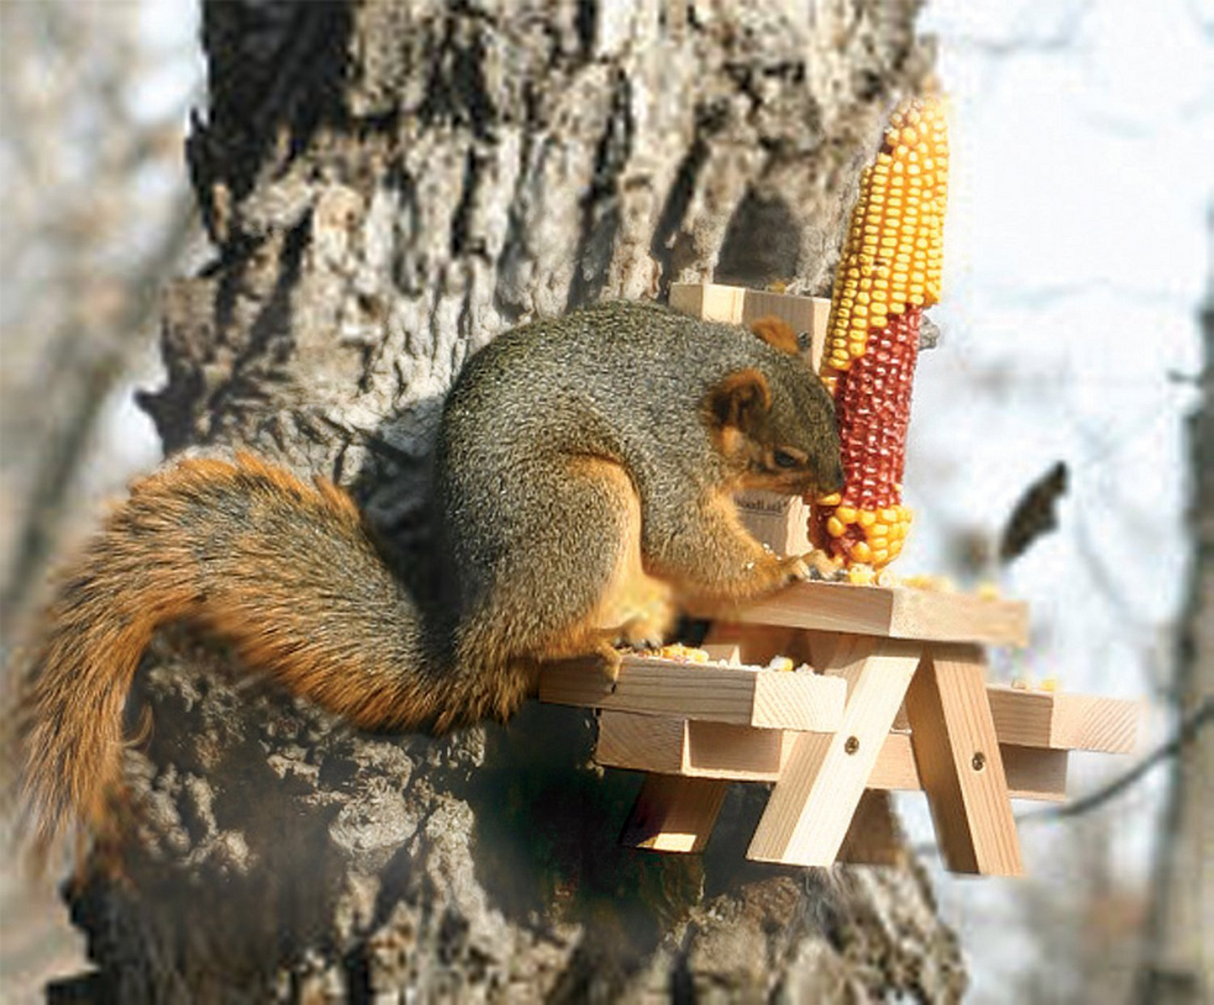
388 185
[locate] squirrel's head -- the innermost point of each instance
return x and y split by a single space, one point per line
775 422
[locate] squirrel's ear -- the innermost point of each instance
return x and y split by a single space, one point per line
777 333
740 399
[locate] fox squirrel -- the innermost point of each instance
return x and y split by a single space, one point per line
584 472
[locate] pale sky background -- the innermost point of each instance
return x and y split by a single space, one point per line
1077 253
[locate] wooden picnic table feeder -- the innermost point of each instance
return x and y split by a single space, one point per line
897 698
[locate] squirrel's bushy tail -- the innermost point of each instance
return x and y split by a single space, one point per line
283 570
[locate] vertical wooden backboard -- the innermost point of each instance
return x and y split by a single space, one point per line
780 522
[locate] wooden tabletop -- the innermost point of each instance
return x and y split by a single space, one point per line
897 612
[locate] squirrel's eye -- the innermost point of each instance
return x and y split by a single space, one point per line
784 459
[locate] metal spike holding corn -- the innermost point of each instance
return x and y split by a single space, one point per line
889 272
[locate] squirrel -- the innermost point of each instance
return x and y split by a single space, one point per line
584 473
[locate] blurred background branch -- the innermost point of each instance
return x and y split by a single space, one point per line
87 379
96 216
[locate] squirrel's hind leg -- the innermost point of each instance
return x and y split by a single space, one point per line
571 580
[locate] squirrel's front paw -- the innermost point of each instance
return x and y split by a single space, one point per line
795 568
640 633
823 565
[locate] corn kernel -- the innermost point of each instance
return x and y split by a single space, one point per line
835 527
831 500
860 575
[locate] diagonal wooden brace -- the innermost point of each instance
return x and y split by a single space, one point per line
821 785
957 754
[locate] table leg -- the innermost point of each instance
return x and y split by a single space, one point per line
957 753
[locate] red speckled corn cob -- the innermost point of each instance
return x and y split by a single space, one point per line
889 272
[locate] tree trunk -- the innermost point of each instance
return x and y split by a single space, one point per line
389 185
1179 966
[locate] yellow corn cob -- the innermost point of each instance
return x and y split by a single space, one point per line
893 254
